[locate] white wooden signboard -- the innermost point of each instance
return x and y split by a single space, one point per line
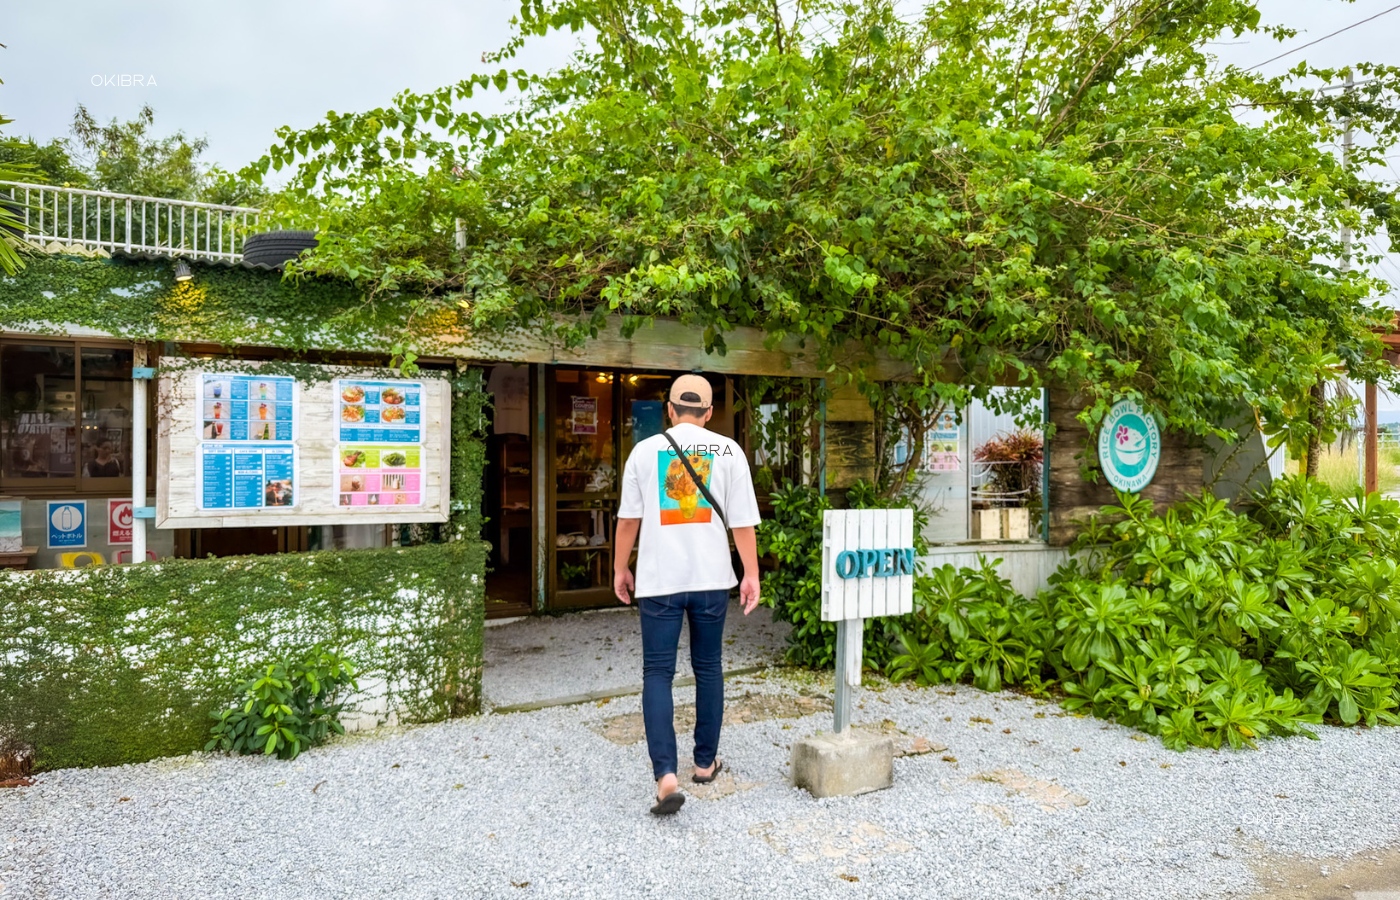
868 564
237 448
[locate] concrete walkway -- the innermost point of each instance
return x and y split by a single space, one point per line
545 658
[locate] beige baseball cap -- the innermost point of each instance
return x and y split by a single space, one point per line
691 390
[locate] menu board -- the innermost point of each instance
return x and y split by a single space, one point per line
245 458
384 475
330 445
245 476
246 408
379 412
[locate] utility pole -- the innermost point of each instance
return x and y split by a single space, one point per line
1371 461
1371 465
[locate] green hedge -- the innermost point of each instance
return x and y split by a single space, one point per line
115 665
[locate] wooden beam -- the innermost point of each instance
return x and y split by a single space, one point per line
1372 440
669 344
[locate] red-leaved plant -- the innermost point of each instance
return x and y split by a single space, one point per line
1015 458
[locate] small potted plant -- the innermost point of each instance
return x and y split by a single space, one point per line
1013 461
575 575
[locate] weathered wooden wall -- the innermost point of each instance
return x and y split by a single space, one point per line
850 438
1072 497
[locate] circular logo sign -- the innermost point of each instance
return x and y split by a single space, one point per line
1129 447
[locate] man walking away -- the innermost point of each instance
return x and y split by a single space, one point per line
680 489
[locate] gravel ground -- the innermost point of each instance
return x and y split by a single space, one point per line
543 657
538 804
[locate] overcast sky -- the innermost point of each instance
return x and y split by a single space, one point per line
234 73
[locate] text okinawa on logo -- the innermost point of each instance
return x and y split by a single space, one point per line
124 81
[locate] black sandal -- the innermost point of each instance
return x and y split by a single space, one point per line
706 779
670 804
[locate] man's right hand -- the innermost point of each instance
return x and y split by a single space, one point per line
748 593
623 585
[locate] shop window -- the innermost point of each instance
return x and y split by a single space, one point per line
65 417
106 444
38 426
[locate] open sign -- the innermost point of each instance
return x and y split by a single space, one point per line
868 567
887 563
868 563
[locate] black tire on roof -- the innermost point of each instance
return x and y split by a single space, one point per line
276 248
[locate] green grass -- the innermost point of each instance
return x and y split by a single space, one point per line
1340 472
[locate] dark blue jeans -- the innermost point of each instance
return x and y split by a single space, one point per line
661 633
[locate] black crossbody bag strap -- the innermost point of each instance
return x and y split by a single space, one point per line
704 491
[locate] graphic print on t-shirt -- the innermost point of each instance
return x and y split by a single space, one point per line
681 501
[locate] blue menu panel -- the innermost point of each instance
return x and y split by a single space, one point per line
379 412
246 407
246 476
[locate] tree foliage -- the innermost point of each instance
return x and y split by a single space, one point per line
991 191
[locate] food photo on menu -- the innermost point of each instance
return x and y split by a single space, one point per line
380 476
278 493
373 403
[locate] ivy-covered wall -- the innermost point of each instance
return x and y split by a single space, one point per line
140 299
121 664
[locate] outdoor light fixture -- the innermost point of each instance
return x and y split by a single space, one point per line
182 270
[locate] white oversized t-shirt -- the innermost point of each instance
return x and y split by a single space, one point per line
683 543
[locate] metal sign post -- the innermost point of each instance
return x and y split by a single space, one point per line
850 638
867 570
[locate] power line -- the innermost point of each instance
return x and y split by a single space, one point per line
1323 38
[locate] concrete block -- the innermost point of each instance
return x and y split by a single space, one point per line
843 765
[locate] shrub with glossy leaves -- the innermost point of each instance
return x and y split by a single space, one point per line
1202 625
287 707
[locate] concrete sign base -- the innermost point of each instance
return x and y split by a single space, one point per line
844 764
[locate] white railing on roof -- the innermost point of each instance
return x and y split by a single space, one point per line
99 220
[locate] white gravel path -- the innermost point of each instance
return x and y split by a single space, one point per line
470 808
544 657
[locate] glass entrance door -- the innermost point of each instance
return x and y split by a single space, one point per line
584 485
596 416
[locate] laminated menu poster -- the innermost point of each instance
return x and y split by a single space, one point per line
245 476
379 412
246 407
383 475
943 440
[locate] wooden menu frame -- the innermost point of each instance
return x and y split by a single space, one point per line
177 441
